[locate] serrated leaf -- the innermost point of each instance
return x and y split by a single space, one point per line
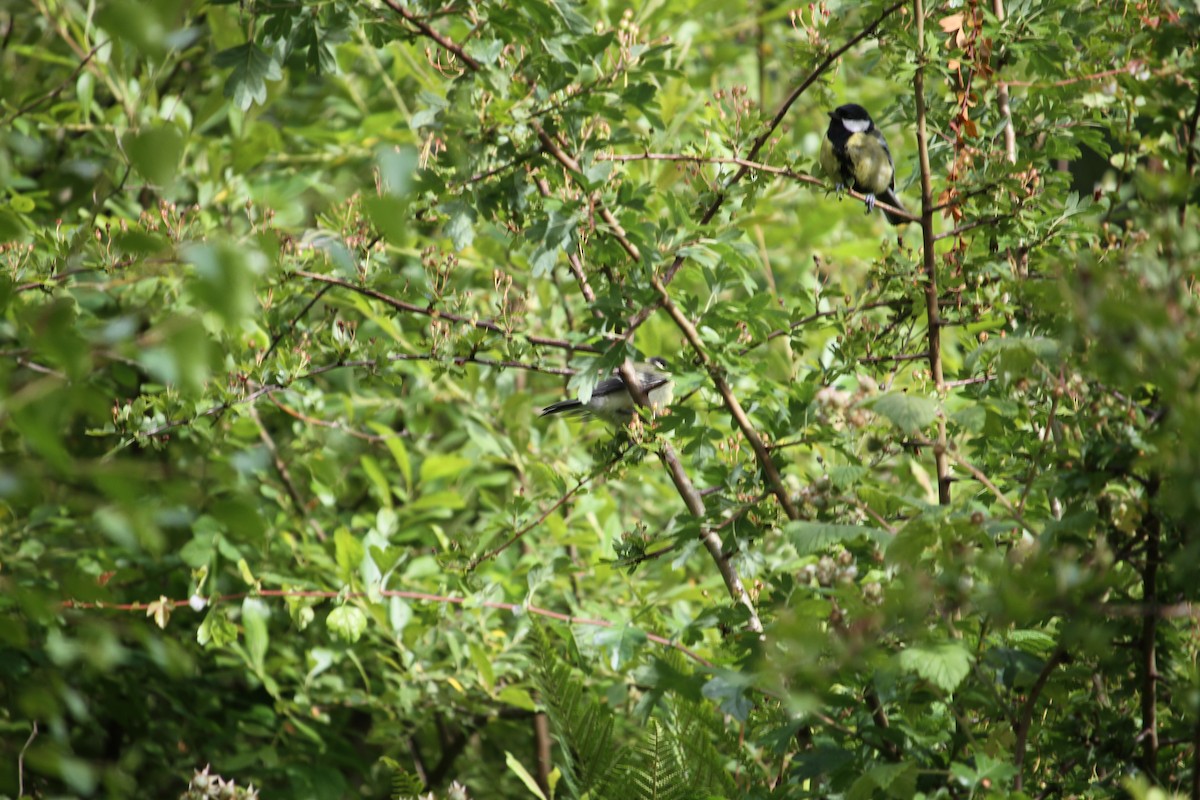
813 537
944 665
252 68
910 413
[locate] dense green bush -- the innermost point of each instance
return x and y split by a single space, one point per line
285 283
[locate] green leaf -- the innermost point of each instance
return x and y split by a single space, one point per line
255 614
347 623
155 152
252 68
813 537
224 279
348 550
460 226
12 226
519 770
944 665
622 643
439 466
909 413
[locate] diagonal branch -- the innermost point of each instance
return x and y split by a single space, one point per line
774 479
1025 718
582 482
427 31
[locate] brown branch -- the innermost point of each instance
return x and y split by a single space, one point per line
1002 100
374 438
898 357
683 484
53 93
774 479
572 258
292 325
933 316
564 158
429 32
979 475
694 501
969 381
285 475
879 715
21 760
801 177
429 311
812 318
1037 466
1173 611
966 226
1129 69
1025 717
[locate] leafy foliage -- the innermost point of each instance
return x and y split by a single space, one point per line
283 284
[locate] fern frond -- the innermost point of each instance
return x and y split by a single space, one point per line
405 785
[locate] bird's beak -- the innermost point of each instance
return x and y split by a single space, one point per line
832 115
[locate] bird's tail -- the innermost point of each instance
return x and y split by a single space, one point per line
890 198
563 407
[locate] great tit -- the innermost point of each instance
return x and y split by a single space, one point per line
610 400
855 154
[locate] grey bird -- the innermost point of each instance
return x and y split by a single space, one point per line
611 401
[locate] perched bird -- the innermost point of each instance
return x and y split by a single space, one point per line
610 400
855 154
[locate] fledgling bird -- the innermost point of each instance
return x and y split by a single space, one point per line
855 154
610 400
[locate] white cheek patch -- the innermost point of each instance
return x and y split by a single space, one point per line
857 125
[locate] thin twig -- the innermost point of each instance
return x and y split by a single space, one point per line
966 226
933 317
21 760
1010 133
1025 717
584 481
1152 534
266 390
801 177
53 93
285 475
429 32
1190 159
292 325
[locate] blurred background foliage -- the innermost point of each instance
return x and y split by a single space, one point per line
283 284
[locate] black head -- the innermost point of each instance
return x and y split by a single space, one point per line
659 362
850 112
847 120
